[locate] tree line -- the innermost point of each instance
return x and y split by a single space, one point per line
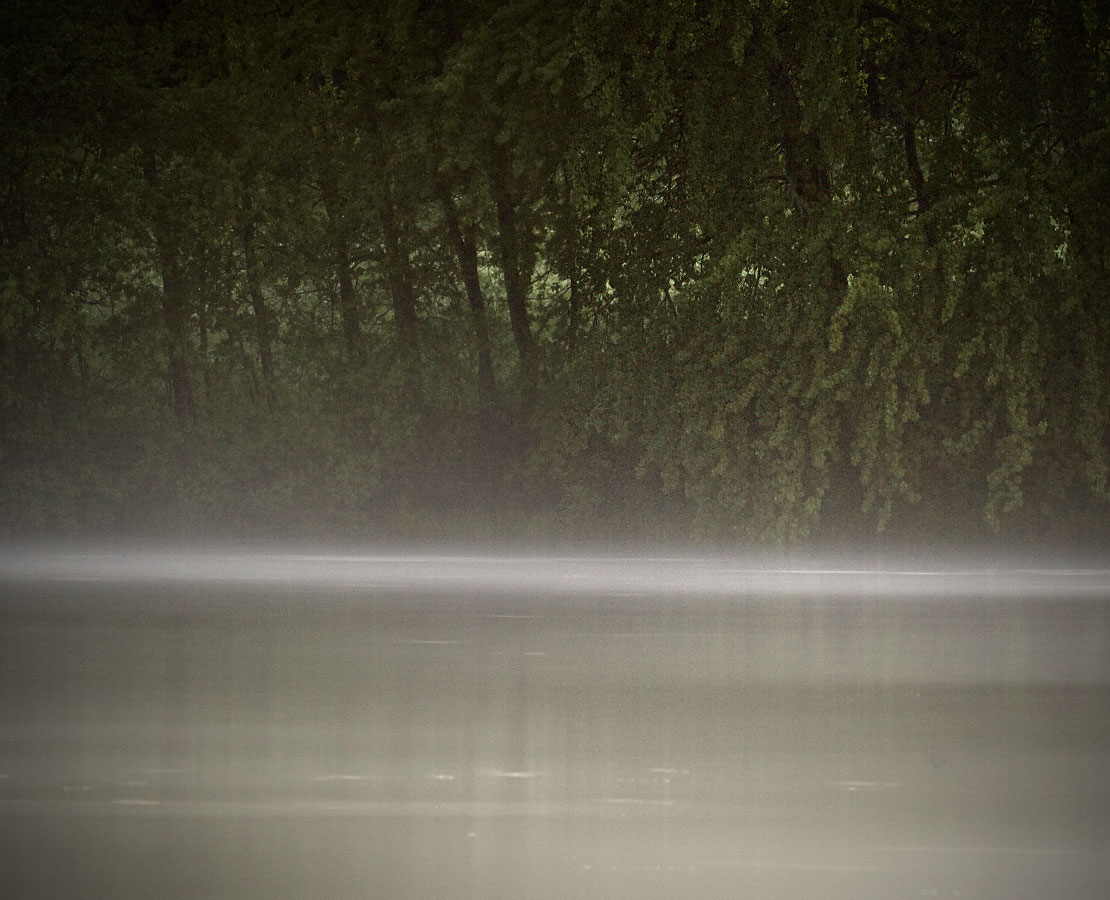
701 270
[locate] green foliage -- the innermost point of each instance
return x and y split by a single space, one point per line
739 272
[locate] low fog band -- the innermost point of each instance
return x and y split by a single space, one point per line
578 576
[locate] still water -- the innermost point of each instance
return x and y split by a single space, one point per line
312 727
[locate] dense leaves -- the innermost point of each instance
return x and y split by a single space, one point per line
696 270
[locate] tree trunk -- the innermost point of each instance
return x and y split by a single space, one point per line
574 304
401 288
348 301
258 303
917 179
206 375
516 272
175 301
466 251
348 306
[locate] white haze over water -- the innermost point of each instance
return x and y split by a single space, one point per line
566 575
272 723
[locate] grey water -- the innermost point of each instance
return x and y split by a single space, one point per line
298 724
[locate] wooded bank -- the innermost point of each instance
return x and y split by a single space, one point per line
698 271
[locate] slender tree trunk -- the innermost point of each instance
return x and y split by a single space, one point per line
401 289
403 295
348 300
235 339
516 288
574 298
175 302
917 176
258 303
348 306
466 251
174 298
516 272
574 305
206 375
917 179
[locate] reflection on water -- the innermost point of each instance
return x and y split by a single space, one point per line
267 740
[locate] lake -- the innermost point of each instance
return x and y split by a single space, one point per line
283 726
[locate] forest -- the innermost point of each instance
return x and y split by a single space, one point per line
701 272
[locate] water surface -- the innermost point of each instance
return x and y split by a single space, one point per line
628 732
